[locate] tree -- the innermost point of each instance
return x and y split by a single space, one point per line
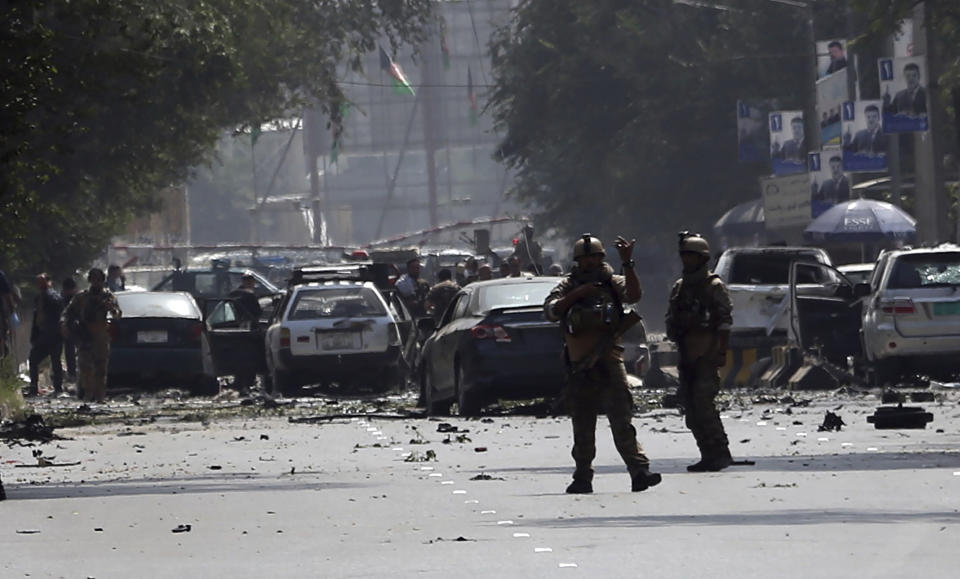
618 116
105 103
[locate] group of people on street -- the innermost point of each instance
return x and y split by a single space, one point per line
589 303
69 326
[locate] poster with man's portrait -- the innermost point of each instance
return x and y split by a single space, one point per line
752 134
829 185
831 94
831 56
864 140
904 93
788 145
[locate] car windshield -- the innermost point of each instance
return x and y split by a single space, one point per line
514 295
157 305
336 303
767 268
921 270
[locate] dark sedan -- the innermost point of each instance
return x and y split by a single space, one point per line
160 341
493 342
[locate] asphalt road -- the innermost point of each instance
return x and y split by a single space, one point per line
365 497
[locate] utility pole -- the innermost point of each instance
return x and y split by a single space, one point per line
429 122
931 198
311 140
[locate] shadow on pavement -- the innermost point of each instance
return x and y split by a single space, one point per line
220 483
874 461
756 518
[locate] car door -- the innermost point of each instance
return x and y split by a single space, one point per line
445 342
236 344
405 324
830 321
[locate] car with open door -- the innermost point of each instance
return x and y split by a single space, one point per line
492 342
827 320
336 325
160 342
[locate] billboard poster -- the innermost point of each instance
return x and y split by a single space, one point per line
864 141
904 94
831 56
788 145
828 183
786 201
831 94
903 40
752 134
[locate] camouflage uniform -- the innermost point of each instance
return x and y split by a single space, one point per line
86 316
597 379
699 310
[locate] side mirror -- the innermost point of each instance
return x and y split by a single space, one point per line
862 290
426 326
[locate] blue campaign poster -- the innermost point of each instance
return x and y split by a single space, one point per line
864 141
904 94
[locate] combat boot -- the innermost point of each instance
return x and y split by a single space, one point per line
643 480
714 462
580 487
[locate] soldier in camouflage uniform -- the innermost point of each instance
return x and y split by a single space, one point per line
86 319
698 320
588 303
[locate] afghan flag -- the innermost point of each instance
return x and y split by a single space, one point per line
472 97
400 83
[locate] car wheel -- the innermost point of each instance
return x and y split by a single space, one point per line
283 383
468 402
206 386
886 371
434 407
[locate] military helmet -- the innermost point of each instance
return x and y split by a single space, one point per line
694 243
587 245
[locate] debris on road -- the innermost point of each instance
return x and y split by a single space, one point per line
32 429
900 416
480 449
485 476
181 529
28 531
831 422
417 457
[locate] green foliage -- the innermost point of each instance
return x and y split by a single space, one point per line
106 103
619 116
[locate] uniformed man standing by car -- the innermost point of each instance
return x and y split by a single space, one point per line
698 320
45 339
588 303
250 311
86 318
414 289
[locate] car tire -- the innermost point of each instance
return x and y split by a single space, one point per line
283 383
434 407
886 371
206 386
468 401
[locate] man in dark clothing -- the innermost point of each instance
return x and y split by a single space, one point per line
441 294
45 339
250 311
67 290
246 298
7 308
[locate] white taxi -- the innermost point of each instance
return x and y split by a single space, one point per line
343 331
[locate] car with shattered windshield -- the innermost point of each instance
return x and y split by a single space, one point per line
338 326
911 319
492 342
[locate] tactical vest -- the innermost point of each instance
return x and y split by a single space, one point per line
599 313
690 308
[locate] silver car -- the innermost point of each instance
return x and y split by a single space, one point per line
911 319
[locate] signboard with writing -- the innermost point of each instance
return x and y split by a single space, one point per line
786 201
